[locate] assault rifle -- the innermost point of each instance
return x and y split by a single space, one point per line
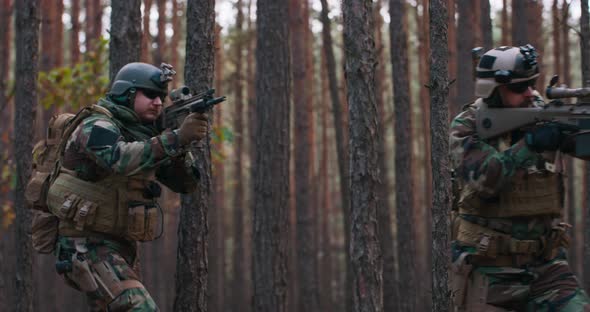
184 103
573 119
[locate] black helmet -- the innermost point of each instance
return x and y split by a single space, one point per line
135 76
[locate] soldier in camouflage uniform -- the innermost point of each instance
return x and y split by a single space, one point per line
508 242
105 194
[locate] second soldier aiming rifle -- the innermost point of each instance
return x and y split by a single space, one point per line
184 103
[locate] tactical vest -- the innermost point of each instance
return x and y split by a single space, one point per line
116 206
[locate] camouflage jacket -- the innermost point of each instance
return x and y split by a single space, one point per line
487 166
101 146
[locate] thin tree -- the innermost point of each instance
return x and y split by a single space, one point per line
217 213
390 290
485 22
174 41
160 51
191 264
125 34
240 301
341 145
520 22
404 199
26 71
75 32
365 253
441 179
93 22
465 42
271 164
505 24
146 39
306 260
452 48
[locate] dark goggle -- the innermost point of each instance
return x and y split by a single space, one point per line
151 94
521 87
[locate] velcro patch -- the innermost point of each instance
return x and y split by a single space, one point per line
101 137
487 61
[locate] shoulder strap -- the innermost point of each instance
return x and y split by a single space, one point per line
72 125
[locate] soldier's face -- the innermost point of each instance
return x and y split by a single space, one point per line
513 99
148 105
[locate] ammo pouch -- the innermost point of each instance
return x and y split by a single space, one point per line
530 195
44 231
113 206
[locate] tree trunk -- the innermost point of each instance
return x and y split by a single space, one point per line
485 23
387 243
306 261
174 41
271 165
239 268
160 50
193 230
404 199
465 42
216 255
75 32
26 71
125 34
535 37
326 277
365 253
506 40
452 47
341 146
146 38
94 22
58 36
520 27
441 202
585 56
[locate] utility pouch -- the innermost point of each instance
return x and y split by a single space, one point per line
44 231
460 272
136 222
558 237
67 208
81 274
36 190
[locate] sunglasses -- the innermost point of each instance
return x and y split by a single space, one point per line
521 87
151 94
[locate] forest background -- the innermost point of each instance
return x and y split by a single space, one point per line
74 66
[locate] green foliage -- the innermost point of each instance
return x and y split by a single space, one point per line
220 135
80 85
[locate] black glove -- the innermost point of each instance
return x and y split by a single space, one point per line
547 137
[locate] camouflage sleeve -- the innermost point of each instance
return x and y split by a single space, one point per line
479 164
104 144
177 175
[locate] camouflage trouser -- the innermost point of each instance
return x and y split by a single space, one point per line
548 287
103 270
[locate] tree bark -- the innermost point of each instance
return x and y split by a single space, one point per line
452 48
94 22
271 165
192 265
26 71
441 201
341 146
404 199
505 25
174 41
365 253
125 34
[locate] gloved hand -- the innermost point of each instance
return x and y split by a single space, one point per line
194 128
547 137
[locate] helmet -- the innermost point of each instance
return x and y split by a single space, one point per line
505 65
141 76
